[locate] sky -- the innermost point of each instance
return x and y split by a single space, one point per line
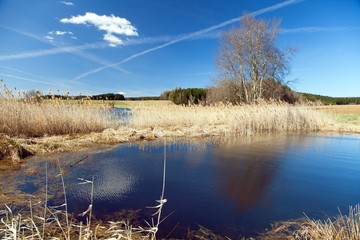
143 47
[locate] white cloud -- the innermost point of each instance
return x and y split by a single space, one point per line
60 33
49 38
67 3
112 39
51 35
110 24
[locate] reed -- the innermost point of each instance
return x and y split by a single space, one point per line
31 119
239 119
343 227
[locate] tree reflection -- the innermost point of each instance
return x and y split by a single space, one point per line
247 170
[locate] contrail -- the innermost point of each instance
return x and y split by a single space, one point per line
76 50
52 51
28 79
19 71
189 36
317 29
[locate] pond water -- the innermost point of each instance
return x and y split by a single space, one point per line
121 113
233 186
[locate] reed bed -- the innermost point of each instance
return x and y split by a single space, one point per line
240 119
32 119
43 222
343 227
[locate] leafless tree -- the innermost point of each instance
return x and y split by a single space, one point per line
248 57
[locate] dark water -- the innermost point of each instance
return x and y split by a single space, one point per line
233 186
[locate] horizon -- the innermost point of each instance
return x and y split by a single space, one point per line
141 48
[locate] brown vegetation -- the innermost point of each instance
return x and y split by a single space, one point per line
343 227
31 119
230 119
163 119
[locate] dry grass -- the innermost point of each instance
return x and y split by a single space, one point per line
246 119
41 126
343 227
150 120
31 119
341 109
42 221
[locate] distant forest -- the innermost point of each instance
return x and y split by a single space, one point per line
106 96
185 96
200 95
330 100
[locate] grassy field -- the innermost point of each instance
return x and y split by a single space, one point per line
340 109
347 114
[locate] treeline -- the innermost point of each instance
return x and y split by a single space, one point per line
106 96
185 95
326 100
226 93
142 98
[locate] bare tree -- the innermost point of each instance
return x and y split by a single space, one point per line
248 57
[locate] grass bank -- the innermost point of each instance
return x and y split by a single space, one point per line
41 222
28 128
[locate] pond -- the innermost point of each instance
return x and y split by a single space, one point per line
235 186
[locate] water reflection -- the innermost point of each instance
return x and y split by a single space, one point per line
234 186
249 168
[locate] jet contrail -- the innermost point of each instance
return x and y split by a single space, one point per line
19 71
76 50
28 79
317 29
189 36
51 51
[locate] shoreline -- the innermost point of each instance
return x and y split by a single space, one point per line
154 121
14 150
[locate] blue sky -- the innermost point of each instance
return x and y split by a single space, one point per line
142 47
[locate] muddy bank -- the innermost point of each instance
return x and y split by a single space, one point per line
15 149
